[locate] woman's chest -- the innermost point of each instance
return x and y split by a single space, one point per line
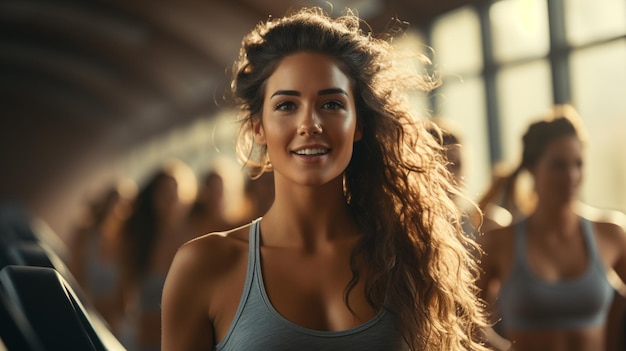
315 292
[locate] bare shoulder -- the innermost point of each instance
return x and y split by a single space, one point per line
607 223
601 215
212 255
608 228
204 264
202 267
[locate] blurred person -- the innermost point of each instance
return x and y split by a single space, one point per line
258 196
95 261
361 248
476 219
150 237
554 264
207 212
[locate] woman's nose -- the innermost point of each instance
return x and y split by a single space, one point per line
309 124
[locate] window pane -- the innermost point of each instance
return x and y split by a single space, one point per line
456 41
413 51
587 20
598 86
520 29
525 95
463 103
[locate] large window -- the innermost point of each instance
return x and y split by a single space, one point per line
525 95
414 52
520 37
463 103
519 29
588 21
598 86
597 33
456 40
461 98
505 64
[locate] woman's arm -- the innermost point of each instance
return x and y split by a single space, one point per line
619 236
616 275
488 273
184 307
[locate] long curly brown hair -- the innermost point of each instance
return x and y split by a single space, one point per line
396 184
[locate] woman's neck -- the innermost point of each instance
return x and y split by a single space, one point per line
308 215
558 219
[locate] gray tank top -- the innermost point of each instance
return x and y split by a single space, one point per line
257 326
528 302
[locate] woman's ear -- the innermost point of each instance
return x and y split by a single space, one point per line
358 131
259 132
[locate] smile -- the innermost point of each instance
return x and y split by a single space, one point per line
312 151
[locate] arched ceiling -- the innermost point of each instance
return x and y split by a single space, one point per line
140 65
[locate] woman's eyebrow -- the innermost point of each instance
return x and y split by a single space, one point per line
286 92
328 91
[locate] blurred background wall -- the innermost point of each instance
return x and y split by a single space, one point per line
91 91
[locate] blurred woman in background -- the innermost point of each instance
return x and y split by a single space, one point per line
95 251
476 219
151 235
207 213
553 263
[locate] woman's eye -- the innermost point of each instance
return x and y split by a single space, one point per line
332 105
285 106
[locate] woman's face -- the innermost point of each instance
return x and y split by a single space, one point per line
558 172
308 121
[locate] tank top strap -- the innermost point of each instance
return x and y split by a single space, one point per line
253 242
590 240
588 237
254 253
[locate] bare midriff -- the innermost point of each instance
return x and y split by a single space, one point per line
588 339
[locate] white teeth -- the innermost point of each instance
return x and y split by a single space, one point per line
315 151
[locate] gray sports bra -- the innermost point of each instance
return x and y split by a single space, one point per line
257 326
528 302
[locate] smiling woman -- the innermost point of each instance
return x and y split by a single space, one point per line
362 248
309 128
